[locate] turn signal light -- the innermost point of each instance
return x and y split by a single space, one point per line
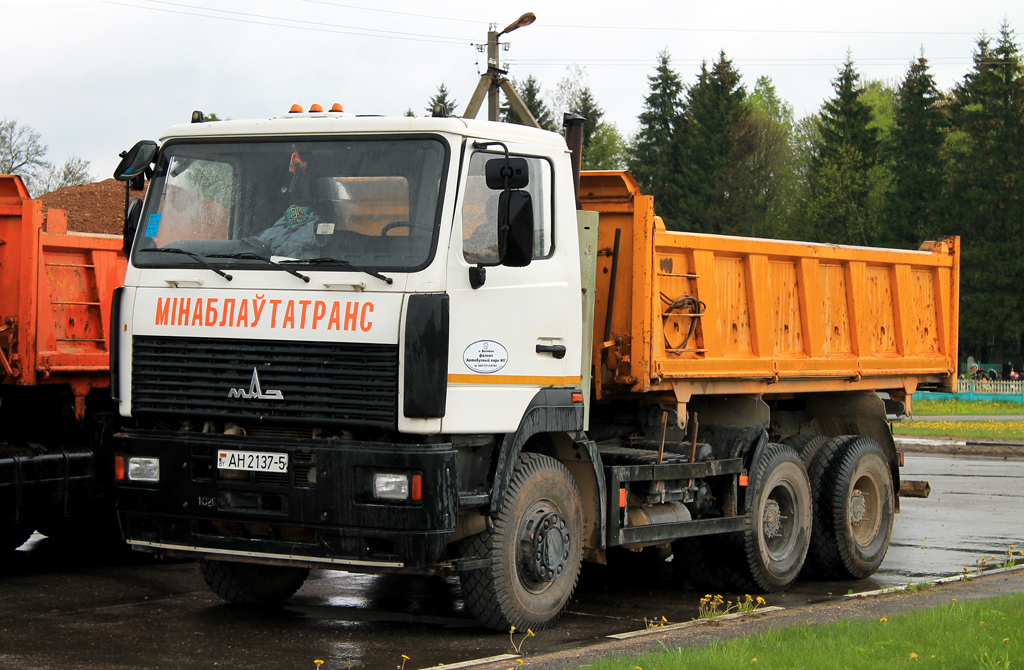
577 396
417 487
119 468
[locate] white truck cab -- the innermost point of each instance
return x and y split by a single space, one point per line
336 334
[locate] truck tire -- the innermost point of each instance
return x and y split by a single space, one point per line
857 510
534 549
769 555
823 549
807 446
252 584
779 518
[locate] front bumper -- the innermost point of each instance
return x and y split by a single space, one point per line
321 512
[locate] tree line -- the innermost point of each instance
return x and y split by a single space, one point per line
880 164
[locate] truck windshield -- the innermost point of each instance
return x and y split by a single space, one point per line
351 203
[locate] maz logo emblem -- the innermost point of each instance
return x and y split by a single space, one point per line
255 391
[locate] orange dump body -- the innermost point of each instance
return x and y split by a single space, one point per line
697 314
55 292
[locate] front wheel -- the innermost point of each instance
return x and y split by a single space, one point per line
250 583
534 550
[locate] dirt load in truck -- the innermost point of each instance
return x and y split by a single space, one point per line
398 345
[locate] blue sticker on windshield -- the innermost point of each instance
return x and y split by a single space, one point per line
153 225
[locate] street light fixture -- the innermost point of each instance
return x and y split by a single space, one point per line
495 79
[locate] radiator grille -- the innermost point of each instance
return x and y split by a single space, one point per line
341 383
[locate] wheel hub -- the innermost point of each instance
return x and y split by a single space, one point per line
772 518
549 547
858 507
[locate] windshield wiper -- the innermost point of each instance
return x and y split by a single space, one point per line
202 261
249 256
338 261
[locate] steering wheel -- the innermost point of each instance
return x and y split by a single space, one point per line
413 227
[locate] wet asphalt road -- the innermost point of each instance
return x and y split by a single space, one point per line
61 607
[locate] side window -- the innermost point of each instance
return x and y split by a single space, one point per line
480 211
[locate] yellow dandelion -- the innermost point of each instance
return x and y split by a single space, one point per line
405 657
981 623
529 632
913 655
883 619
753 660
664 619
1006 639
760 600
512 630
1013 546
519 661
318 662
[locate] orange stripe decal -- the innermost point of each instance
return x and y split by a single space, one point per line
513 379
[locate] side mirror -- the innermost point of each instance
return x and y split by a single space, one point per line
515 229
519 176
135 161
131 224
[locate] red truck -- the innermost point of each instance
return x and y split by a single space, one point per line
56 416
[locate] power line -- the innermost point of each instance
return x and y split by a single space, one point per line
298 24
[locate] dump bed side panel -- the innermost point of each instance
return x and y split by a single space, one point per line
55 292
707 314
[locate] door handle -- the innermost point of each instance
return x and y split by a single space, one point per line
556 350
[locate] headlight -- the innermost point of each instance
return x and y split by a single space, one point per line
143 469
390 486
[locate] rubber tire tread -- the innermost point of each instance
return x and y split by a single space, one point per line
823 554
487 591
845 563
754 577
250 583
807 446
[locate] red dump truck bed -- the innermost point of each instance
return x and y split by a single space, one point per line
55 291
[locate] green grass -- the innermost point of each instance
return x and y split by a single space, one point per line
956 406
1006 430
979 634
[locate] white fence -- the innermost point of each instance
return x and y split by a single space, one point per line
1002 387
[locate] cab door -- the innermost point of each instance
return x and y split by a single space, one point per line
519 331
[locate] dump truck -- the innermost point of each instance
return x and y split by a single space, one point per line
56 416
431 346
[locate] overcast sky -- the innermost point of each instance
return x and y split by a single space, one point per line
95 76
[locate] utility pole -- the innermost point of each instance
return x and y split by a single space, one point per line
495 79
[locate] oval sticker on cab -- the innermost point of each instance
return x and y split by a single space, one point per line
485 356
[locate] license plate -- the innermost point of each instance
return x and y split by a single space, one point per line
254 461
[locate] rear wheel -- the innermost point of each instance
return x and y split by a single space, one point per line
252 584
778 521
858 504
534 551
807 446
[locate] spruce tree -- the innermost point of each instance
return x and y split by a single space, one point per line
913 150
653 158
710 149
847 185
984 195
442 97
529 90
